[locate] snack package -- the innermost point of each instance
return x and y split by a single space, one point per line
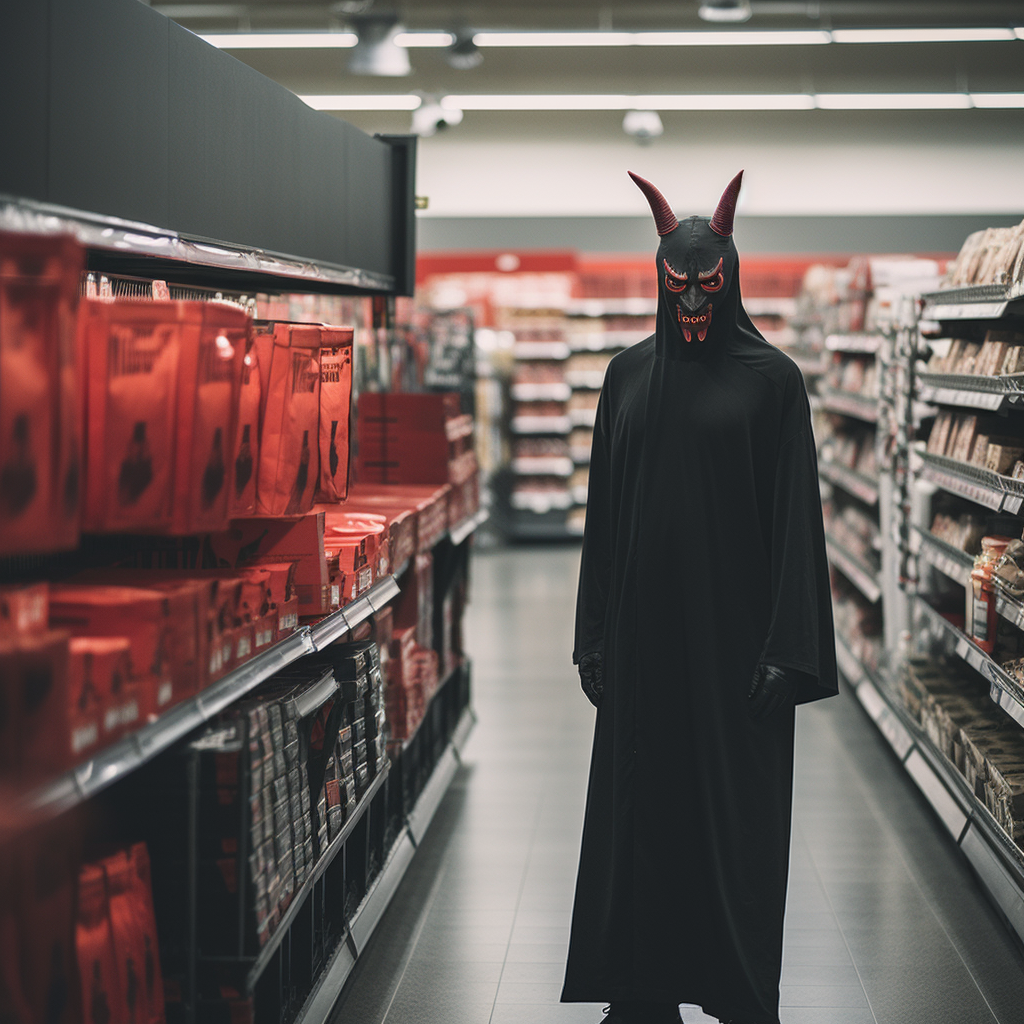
289 460
104 698
247 444
213 344
335 403
134 348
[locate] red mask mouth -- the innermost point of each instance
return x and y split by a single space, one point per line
698 322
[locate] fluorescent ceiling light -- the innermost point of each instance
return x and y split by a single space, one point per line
553 38
894 101
996 100
280 40
424 39
388 101
316 40
922 35
680 102
697 38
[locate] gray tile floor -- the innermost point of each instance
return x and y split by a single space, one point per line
885 924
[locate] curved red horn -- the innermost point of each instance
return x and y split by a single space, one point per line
721 223
664 219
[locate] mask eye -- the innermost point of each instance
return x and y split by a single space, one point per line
712 280
674 281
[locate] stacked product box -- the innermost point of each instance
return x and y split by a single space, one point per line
952 707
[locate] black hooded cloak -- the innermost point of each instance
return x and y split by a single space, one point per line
703 556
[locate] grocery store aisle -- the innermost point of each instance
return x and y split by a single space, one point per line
884 925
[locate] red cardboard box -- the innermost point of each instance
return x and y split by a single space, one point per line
247 443
335 409
414 606
289 356
251 542
40 393
103 696
209 382
147 618
24 608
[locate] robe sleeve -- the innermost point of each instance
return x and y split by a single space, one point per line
595 564
801 633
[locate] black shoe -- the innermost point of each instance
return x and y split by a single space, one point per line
641 1013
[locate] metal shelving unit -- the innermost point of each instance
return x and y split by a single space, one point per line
120 759
849 403
992 394
857 484
862 576
994 491
978 302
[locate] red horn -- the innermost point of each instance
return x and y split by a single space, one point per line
664 219
721 223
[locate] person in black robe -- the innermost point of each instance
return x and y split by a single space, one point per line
703 617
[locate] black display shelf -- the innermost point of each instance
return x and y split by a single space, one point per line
1004 690
120 759
978 302
171 159
857 484
950 561
997 860
849 403
319 1005
993 490
862 576
267 953
969 391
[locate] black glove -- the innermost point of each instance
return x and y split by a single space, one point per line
771 688
591 668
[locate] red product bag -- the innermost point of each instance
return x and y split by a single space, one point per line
247 444
335 406
133 352
289 439
142 898
214 338
103 998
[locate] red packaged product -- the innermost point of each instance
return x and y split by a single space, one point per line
335 402
34 685
247 444
214 341
134 348
46 871
24 608
127 935
103 694
414 606
289 438
252 542
103 998
146 617
36 433
142 889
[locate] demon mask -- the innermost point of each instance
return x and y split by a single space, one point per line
697 260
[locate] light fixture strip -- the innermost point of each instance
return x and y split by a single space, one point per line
676 102
738 37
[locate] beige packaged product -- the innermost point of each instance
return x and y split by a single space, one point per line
958 271
1014 361
967 363
955 351
1001 457
965 438
997 358
1004 790
954 435
979 450
1008 256
1017 473
1017 274
939 436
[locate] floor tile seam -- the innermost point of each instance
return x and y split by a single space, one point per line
519 898
797 828
899 845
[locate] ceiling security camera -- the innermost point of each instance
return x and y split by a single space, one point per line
430 117
642 125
